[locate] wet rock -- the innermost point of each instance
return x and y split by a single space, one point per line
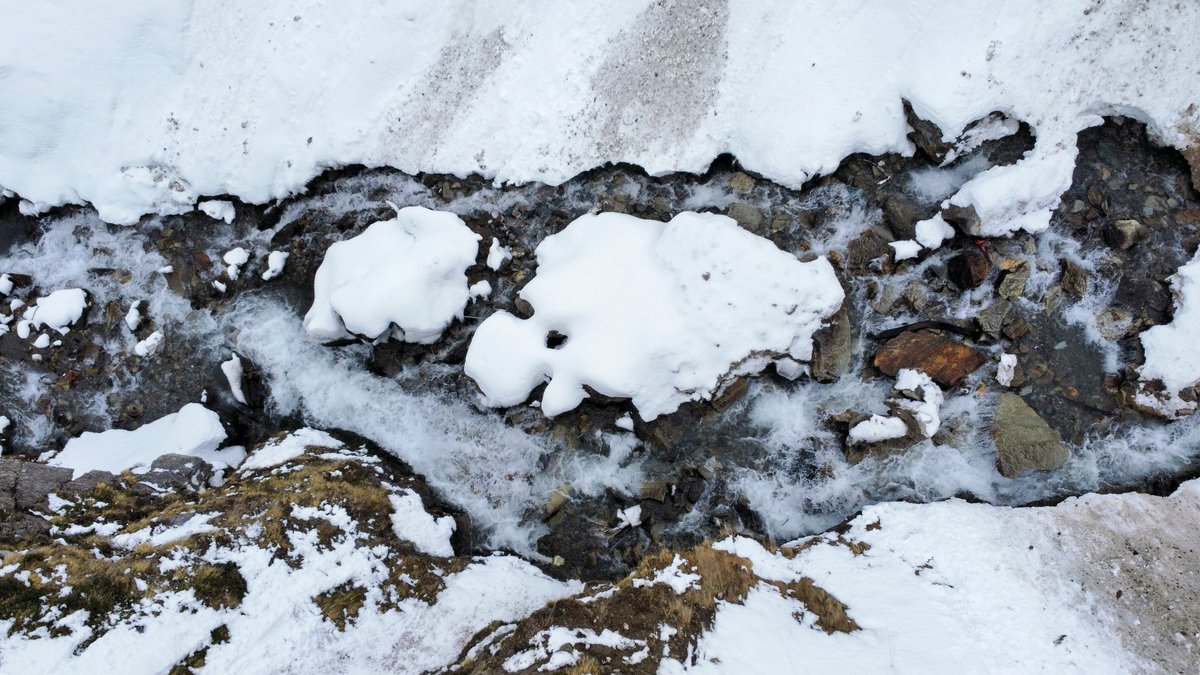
965 217
866 249
747 216
969 269
28 483
991 320
902 215
926 136
1024 442
1124 234
1012 284
741 182
941 357
175 473
1074 279
833 348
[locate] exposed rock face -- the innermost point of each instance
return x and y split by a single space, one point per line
1024 442
833 348
944 359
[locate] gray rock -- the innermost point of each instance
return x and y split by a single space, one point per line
1074 279
1012 284
1024 442
747 216
175 473
24 485
833 348
1123 234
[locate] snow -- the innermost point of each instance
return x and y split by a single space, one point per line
548 643
57 311
4 423
630 517
1006 370
497 255
522 94
194 430
133 318
480 289
233 373
158 535
696 301
933 231
6 284
406 274
276 452
149 347
218 210
877 428
922 398
1171 348
275 263
905 249
673 576
234 259
42 341
411 522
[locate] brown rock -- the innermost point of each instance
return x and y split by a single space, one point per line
943 359
833 348
1074 279
1024 442
1123 234
969 269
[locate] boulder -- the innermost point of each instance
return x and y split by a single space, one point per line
833 348
942 358
175 473
969 269
1123 234
1024 442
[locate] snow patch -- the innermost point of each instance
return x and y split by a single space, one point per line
411 522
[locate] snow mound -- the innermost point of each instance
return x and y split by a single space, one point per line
276 452
58 310
407 275
194 430
661 313
411 522
1171 348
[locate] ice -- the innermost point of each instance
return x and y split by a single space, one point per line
406 275
695 301
193 430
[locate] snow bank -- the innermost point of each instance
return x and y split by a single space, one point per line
407 274
661 313
254 100
411 522
276 452
1171 348
194 430
955 587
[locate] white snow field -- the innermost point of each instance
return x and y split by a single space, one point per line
1082 587
661 313
407 275
155 105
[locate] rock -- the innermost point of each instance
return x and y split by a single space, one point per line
747 216
28 483
741 182
1074 279
175 473
941 357
1012 284
1024 442
991 320
1123 234
969 269
902 214
926 136
965 217
833 348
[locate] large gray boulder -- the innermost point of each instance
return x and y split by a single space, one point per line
1024 442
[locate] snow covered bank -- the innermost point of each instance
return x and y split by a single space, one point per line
661 313
223 98
1171 348
194 430
406 274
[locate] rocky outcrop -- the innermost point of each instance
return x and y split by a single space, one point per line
1024 442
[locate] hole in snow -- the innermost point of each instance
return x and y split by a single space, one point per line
555 339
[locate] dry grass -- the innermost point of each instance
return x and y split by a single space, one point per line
341 605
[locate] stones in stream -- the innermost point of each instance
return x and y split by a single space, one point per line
944 359
1024 442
